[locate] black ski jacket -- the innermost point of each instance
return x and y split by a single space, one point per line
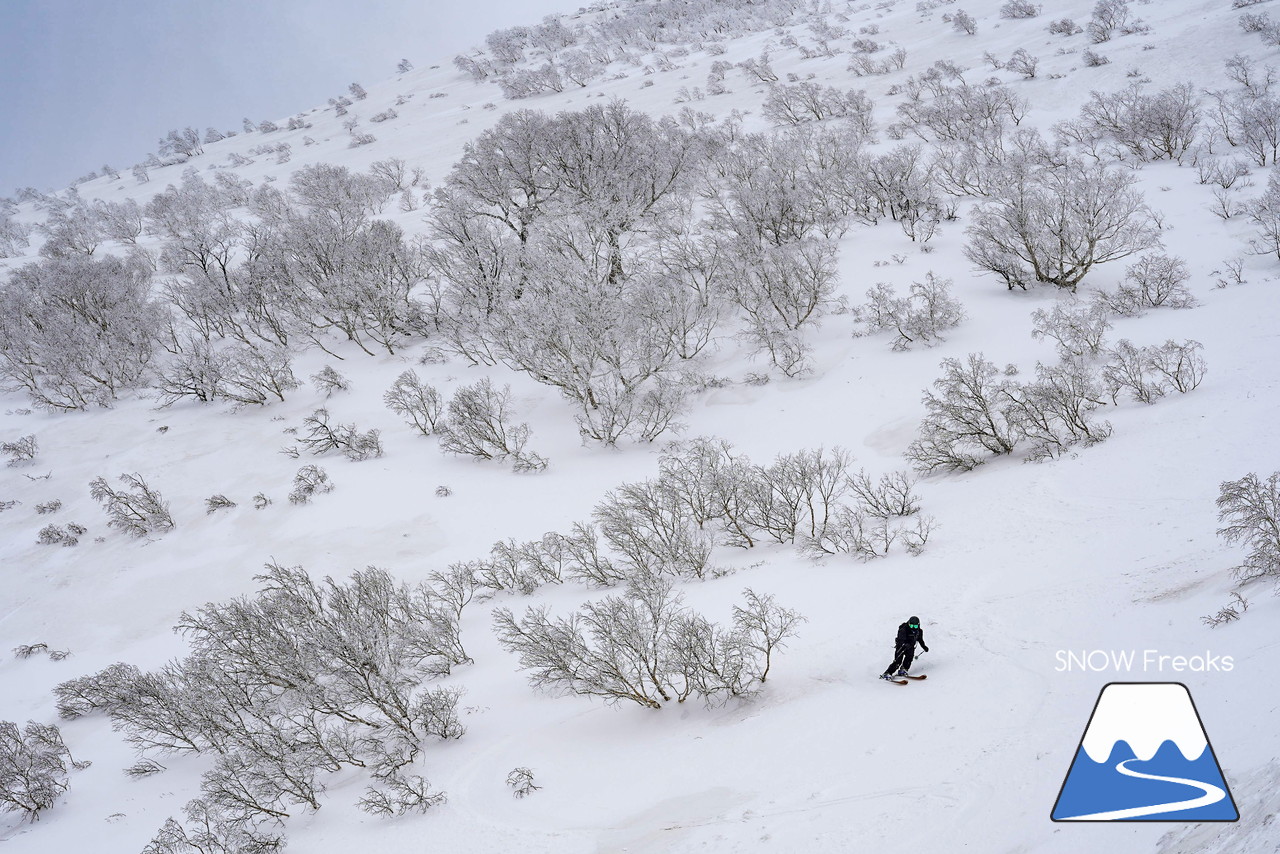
909 637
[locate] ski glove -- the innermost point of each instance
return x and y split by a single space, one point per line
925 648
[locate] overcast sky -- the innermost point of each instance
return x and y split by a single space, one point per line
88 82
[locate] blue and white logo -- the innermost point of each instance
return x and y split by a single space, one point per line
1145 757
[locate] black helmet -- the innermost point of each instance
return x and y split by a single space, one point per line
914 622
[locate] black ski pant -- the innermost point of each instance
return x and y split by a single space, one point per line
902 658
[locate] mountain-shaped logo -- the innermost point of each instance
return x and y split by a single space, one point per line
1145 756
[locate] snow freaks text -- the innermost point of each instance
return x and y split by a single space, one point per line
1146 661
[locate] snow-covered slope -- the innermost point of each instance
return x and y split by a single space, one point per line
1112 547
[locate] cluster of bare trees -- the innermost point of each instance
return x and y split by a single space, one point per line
975 410
599 251
648 647
793 104
476 422
921 317
76 332
1113 18
546 258
559 54
283 688
1177 123
706 495
1053 222
569 247
1046 212
939 106
1134 123
250 274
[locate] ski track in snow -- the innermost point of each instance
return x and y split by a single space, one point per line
1212 794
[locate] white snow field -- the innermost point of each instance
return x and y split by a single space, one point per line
1109 547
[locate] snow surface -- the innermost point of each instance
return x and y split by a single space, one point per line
1145 716
1110 548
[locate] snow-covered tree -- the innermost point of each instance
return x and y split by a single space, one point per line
1054 412
329 381
1264 211
21 450
478 424
1054 225
418 403
34 763
1250 509
120 221
76 332
970 413
520 781
137 510
781 291
1022 62
647 647
1155 281
321 437
183 143
1078 329
963 22
789 104
310 480
1149 373
922 316
1019 9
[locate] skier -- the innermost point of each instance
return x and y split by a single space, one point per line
904 649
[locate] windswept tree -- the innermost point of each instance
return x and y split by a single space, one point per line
181 143
1250 510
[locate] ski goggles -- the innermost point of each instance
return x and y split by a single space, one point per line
913 625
